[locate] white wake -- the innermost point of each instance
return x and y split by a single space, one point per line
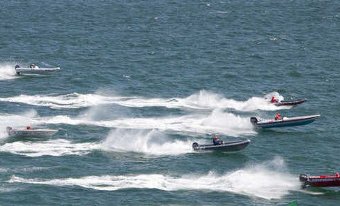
215 122
58 147
201 100
256 181
148 142
7 71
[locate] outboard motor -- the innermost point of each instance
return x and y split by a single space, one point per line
303 177
195 145
253 120
304 180
9 129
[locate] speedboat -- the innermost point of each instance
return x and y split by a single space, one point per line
34 69
284 122
230 146
321 180
290 102
30 132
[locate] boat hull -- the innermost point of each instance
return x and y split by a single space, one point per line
286 122
20 71
320 181
225 147
31 132
290 103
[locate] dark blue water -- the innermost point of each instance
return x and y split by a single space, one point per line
140 81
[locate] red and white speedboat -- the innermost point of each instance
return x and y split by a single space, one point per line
30 132
321 180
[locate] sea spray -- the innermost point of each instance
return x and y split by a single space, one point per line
198 101
216 121
73 100
277 96
57 147
7 71
144 141
255 181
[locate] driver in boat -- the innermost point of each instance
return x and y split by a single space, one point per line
274 100
278 116
28 127
33 66
216 140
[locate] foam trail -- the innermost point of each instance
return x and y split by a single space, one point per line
210 100
257 181
73 100
7 71
205 100
216 122
15 121
58 147
201 100
148 142
118 141
76 100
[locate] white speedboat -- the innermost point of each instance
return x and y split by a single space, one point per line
284 122
34 69
230 146
30 132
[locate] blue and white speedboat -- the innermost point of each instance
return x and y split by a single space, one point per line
34 69
230 146
284 122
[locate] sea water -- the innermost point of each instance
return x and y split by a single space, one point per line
140 81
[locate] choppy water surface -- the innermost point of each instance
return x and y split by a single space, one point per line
141 81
